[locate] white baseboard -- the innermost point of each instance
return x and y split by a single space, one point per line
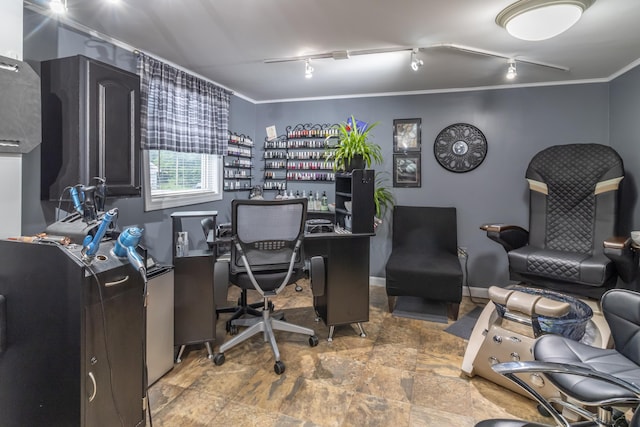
475 291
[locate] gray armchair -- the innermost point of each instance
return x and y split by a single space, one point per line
588 377
573 216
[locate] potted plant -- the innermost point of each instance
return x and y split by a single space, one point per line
382 198
354 150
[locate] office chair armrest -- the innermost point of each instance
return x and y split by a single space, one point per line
625 257
317 275
509 236
511 369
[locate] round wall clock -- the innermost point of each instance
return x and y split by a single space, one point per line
460 147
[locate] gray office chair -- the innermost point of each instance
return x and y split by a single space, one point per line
591 377
266 255
221 283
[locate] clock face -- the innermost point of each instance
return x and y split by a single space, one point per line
460 147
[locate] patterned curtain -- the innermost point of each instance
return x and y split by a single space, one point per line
181 112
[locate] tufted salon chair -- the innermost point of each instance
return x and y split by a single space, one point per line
424 256
266 255
573 213
590 377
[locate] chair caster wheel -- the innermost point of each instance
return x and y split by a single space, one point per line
233 330
542 411
278 367
313 341
218 359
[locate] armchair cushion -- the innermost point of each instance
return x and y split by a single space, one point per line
406 271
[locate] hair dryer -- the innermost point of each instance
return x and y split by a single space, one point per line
91 244
125 247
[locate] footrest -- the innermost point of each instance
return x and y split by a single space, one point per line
529 304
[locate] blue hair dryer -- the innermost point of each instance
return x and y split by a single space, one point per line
91 244
125 247
76 197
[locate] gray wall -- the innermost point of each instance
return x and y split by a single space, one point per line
625 138
517 123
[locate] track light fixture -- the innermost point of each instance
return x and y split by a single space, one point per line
535 20
416 62
512 72
308 69
58 6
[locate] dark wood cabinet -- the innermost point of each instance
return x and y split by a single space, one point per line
75 337
90 127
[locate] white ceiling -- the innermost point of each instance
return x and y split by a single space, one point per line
227 41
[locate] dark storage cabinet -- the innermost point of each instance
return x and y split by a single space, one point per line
90 127
194 304
346 294
75 334
355 187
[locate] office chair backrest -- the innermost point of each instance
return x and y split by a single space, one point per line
574 197
621 309
425 229
268 231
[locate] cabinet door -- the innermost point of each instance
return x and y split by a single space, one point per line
114 128
113 360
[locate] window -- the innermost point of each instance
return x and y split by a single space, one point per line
184 135
177 179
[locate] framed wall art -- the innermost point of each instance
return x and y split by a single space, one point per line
406 170
406 135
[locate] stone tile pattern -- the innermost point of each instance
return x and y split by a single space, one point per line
405 372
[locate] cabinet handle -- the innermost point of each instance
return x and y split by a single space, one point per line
95 387
117 282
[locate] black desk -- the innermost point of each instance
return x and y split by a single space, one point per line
346 296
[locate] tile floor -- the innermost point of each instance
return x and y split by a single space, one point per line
405 372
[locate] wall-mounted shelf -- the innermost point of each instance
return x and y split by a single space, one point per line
299 155
238 163
307 145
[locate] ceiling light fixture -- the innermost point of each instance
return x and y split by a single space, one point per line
57 6
416 62
512 72
535 20
308 69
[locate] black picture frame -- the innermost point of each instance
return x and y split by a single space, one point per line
407 135
406 170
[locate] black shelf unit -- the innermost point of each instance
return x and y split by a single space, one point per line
355 187
275 164
238 163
